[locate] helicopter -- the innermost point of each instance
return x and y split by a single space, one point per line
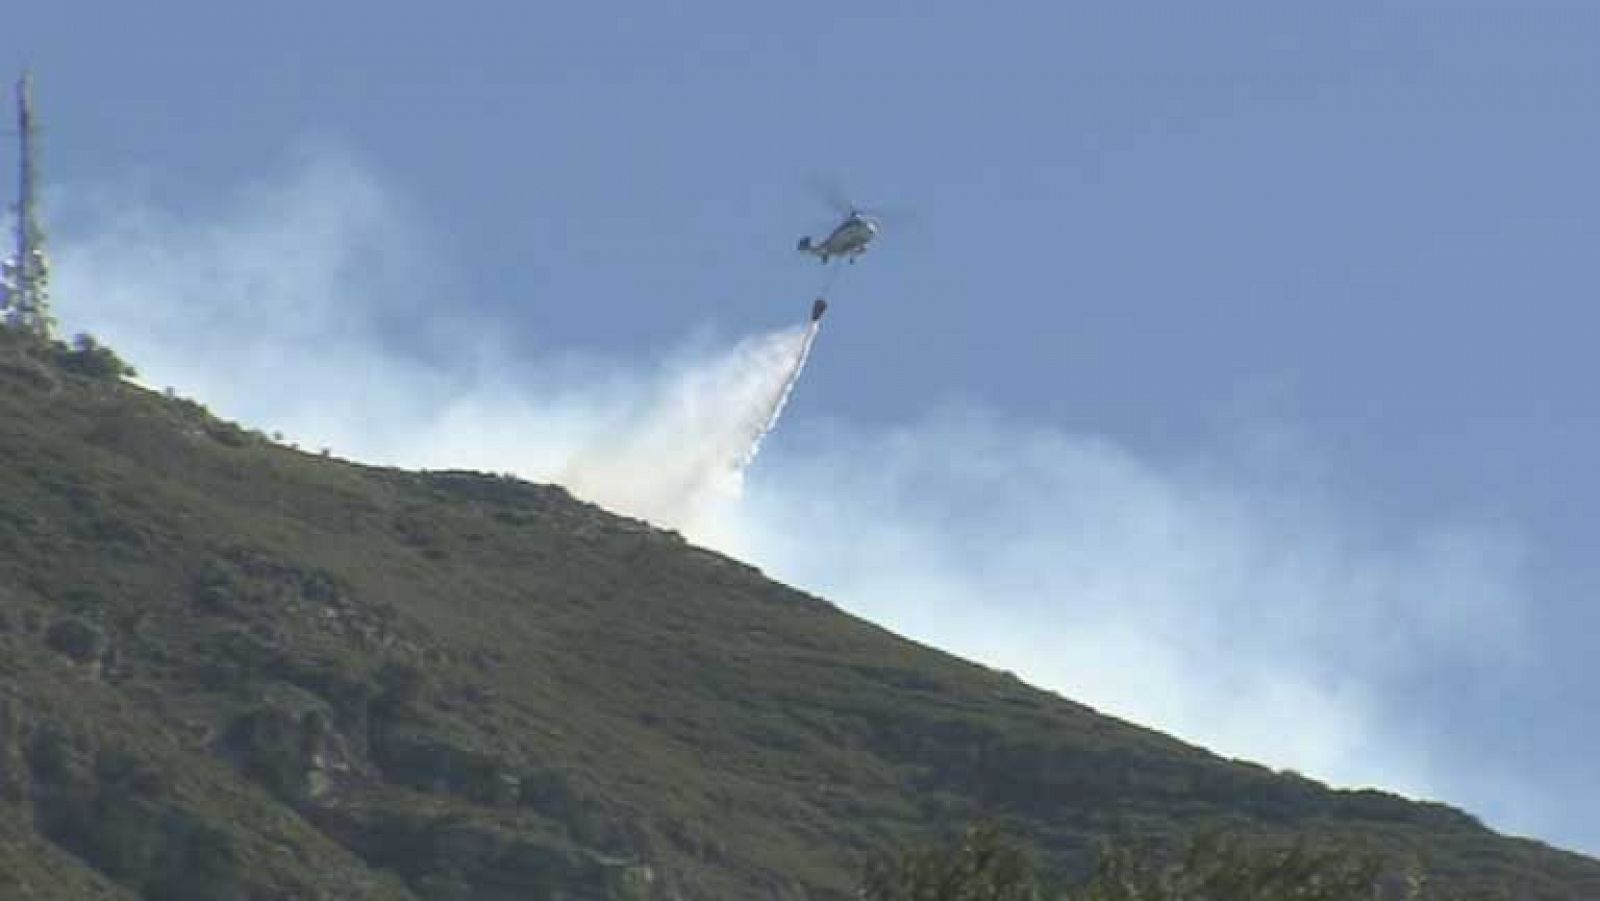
849 239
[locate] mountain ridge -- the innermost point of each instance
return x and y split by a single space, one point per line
235 670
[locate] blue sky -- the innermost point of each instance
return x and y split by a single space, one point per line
1321 273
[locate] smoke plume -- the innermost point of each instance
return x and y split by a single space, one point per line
1258 616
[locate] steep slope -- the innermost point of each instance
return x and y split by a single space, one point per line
229 669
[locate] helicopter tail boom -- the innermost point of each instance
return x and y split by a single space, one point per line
817 250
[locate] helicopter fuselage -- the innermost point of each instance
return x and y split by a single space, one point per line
849 239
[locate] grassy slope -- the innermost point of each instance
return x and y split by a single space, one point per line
441 684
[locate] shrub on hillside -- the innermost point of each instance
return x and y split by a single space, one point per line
984 866
88 357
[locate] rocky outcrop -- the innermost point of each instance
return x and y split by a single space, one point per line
107 806
460 856
290 747
78 640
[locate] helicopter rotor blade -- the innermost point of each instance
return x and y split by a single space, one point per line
894 215
830 191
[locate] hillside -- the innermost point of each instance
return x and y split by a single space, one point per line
229 669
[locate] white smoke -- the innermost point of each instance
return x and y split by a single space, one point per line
1251 618
268 315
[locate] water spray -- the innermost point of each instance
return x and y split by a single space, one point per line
782 398
683 453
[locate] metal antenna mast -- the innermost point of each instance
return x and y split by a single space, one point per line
25 300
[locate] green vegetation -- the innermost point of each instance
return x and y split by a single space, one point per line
88 357
982 866
229 669
1212 866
